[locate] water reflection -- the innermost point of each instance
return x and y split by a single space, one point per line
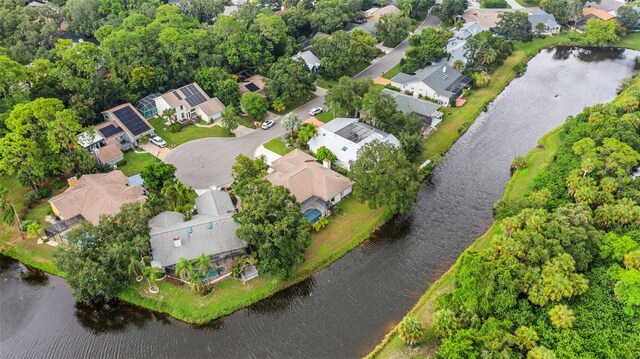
33 276
108 317
284 299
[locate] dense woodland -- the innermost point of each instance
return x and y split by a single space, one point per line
562 279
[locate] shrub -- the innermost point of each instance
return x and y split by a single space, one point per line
44 192
520 67
518 163
121 163
411 331
34 229
143 139
322 222
480 79
494 4
175 127
32 197
278 105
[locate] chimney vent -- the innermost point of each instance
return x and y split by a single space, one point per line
72 181
326 164
177 242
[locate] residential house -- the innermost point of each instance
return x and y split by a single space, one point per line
312 61
314 185
190 103
94 195
425 110
125 125
367 26
455 44
212 232
549 24
345 136
593 13
439 82
485 17
107 152
375 13
251 83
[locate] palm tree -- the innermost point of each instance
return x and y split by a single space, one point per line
458 65
306 133
407 10
489 57
169 115
151 273
177 194
135 266
202 266
186 272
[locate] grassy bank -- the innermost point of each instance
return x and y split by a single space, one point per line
518 187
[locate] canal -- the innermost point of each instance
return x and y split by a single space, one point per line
346 309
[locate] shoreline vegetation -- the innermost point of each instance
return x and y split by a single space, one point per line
520 184
346 231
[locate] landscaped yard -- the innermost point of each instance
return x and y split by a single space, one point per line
136 162
296 103
278 146
188 133
392 72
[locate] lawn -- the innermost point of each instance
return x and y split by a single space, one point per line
17 193
278 146
188 133
392 72
354 70
530 3
136 162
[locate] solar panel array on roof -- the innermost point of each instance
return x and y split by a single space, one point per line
252 87
131 120
176 94
194 97
110 130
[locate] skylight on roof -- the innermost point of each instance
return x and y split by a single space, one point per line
344 148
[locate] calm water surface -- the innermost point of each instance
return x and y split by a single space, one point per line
346 309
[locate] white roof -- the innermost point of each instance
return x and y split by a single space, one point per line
345 136
85 139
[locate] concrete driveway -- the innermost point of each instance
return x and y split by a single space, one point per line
161 153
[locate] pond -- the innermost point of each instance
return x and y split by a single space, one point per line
346 309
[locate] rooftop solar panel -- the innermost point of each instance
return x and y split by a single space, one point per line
195 100
109 131
187 90
131 120
176 94
252 87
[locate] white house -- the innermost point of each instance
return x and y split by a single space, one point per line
455 44
439 82
123 125
345 136
190 102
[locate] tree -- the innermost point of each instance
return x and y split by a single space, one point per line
343 50
97 258
291 122
458 65
514 26
450 9
411 331
601 33
217 82
230 119
289 79
391 29
324 153
416 9
178 195
12 89
40 140
270 220
412 145
561 316
541 352
331 15
384 178
557 281
485 52
84 16
427 47
378 109
627 16
246 169
346 96
306 132
156 174
203 10
189 273
526 337
254 105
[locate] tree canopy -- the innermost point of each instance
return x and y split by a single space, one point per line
485 52
515 26
427 47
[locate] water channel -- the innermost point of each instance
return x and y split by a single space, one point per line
346 309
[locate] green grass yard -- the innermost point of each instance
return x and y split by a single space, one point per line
136 162
188 133
278 146
295 103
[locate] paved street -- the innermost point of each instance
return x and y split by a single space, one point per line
207 162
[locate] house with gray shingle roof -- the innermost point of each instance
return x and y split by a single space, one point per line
312 61
549 24
368 26
425 110
212 232
455 44
439 82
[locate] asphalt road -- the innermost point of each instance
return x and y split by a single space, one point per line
207 162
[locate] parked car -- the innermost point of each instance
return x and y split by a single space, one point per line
267 124
316 110
158 141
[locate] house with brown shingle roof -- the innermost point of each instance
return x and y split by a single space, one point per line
190 103
94 195
314 185
374 14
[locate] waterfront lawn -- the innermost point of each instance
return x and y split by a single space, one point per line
346 231
278 146
188 133
17 193
136 162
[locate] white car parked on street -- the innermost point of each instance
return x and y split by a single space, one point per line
316 110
